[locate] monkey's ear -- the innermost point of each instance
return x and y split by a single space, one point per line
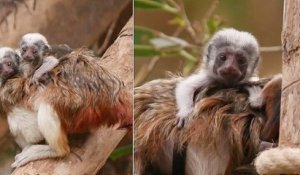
17 58
209 48
47 48
256 61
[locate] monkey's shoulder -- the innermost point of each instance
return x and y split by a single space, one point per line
13 91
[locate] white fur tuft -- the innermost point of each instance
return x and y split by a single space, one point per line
4 50
32 38
237 37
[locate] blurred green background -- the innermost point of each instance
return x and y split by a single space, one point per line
165 18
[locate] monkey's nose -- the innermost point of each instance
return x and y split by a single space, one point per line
28 58
230 72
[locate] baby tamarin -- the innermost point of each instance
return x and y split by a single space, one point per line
34 49
81 96
9 64
230 58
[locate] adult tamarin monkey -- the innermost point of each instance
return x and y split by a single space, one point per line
225 131
230 58
81 95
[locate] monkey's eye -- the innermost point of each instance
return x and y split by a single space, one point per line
222 57
9 64
241 60
23 49
34 51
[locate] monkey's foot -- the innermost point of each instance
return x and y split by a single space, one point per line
32 153
180 122
266 145
183 117
255 97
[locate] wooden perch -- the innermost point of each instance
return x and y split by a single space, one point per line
289 121
90 157
76 23
286 158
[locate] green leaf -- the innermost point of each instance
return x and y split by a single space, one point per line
121 151
177 21
145 51
142 35
213 24
187 56
150 4
147 4
168 42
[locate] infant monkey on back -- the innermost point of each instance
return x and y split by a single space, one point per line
37 59
230 59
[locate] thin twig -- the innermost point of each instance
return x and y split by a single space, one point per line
207 16
34 4
173 4
189 26
178 30
271 49
145 70
107 38
211 10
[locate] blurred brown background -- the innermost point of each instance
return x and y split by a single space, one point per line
261 18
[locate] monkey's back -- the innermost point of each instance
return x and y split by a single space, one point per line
223 116
86 95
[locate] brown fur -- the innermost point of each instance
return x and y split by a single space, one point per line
82 92
85 95
13 92
223 115
272 95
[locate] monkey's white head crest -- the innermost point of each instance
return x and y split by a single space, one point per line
233 36
34 38
5 50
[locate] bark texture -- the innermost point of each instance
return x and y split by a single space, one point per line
290 123
72 22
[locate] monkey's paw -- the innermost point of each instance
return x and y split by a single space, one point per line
29 154
183 117
20 160
36 78
255 97
266 145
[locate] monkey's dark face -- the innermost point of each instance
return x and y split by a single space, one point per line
231 56
9 63
33 47
230 65
32 52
